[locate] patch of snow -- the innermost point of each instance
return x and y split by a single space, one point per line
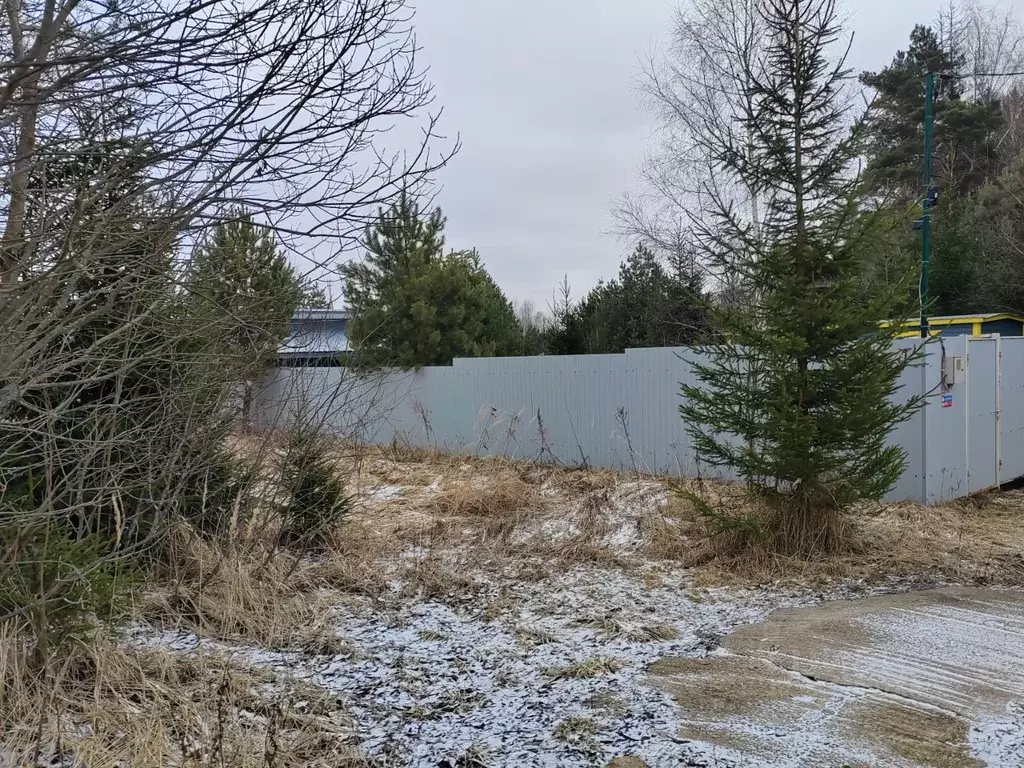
415 553
966 653
385 492
810 740
999 741
558 530
427 681
625 537
955 636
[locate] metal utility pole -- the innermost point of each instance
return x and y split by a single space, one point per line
929 196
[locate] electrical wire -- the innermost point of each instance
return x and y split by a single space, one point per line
981 74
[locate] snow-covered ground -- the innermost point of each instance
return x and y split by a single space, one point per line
545 674
543 660
999 741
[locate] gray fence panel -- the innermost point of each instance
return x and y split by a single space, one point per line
910 434
1011 417
621 411
982 444
943 436
656 431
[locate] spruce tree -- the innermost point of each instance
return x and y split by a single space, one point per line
572 321
796 398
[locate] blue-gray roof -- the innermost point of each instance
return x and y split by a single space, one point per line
317 332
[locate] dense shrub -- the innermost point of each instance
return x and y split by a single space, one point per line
316 497
61 583
218 494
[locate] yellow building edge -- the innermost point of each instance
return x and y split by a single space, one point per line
938 324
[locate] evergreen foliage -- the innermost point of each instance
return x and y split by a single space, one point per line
975 255
796 398
648 306
958 272
248 290
966 131
317 499
414 305
85 579
570 329
1000 227
120 419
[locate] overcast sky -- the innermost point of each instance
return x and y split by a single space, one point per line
543 95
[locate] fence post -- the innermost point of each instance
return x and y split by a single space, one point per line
999 410
967 411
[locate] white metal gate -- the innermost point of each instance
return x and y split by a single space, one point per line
1011 408
981 389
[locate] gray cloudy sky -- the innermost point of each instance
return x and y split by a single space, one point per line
543 94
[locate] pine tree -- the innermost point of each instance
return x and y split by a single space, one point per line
240 274
414 305
796 397
248 291
966 131
1001 228
649 305
956 284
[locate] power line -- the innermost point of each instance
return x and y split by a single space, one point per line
981 74
995 74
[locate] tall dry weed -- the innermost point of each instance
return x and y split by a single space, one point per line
243 593
496 494
106 704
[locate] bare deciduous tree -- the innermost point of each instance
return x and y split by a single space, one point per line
991 40
529 317
270 106
699 92
127 129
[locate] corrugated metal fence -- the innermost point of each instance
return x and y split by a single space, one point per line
621 411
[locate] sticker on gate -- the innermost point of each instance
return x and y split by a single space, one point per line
947 401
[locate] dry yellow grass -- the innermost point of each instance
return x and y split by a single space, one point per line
437 576
980 538
107 705
454 519
612 625
493 495
246 593
503 510
974 540
594 667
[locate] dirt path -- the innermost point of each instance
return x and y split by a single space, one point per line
930 678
